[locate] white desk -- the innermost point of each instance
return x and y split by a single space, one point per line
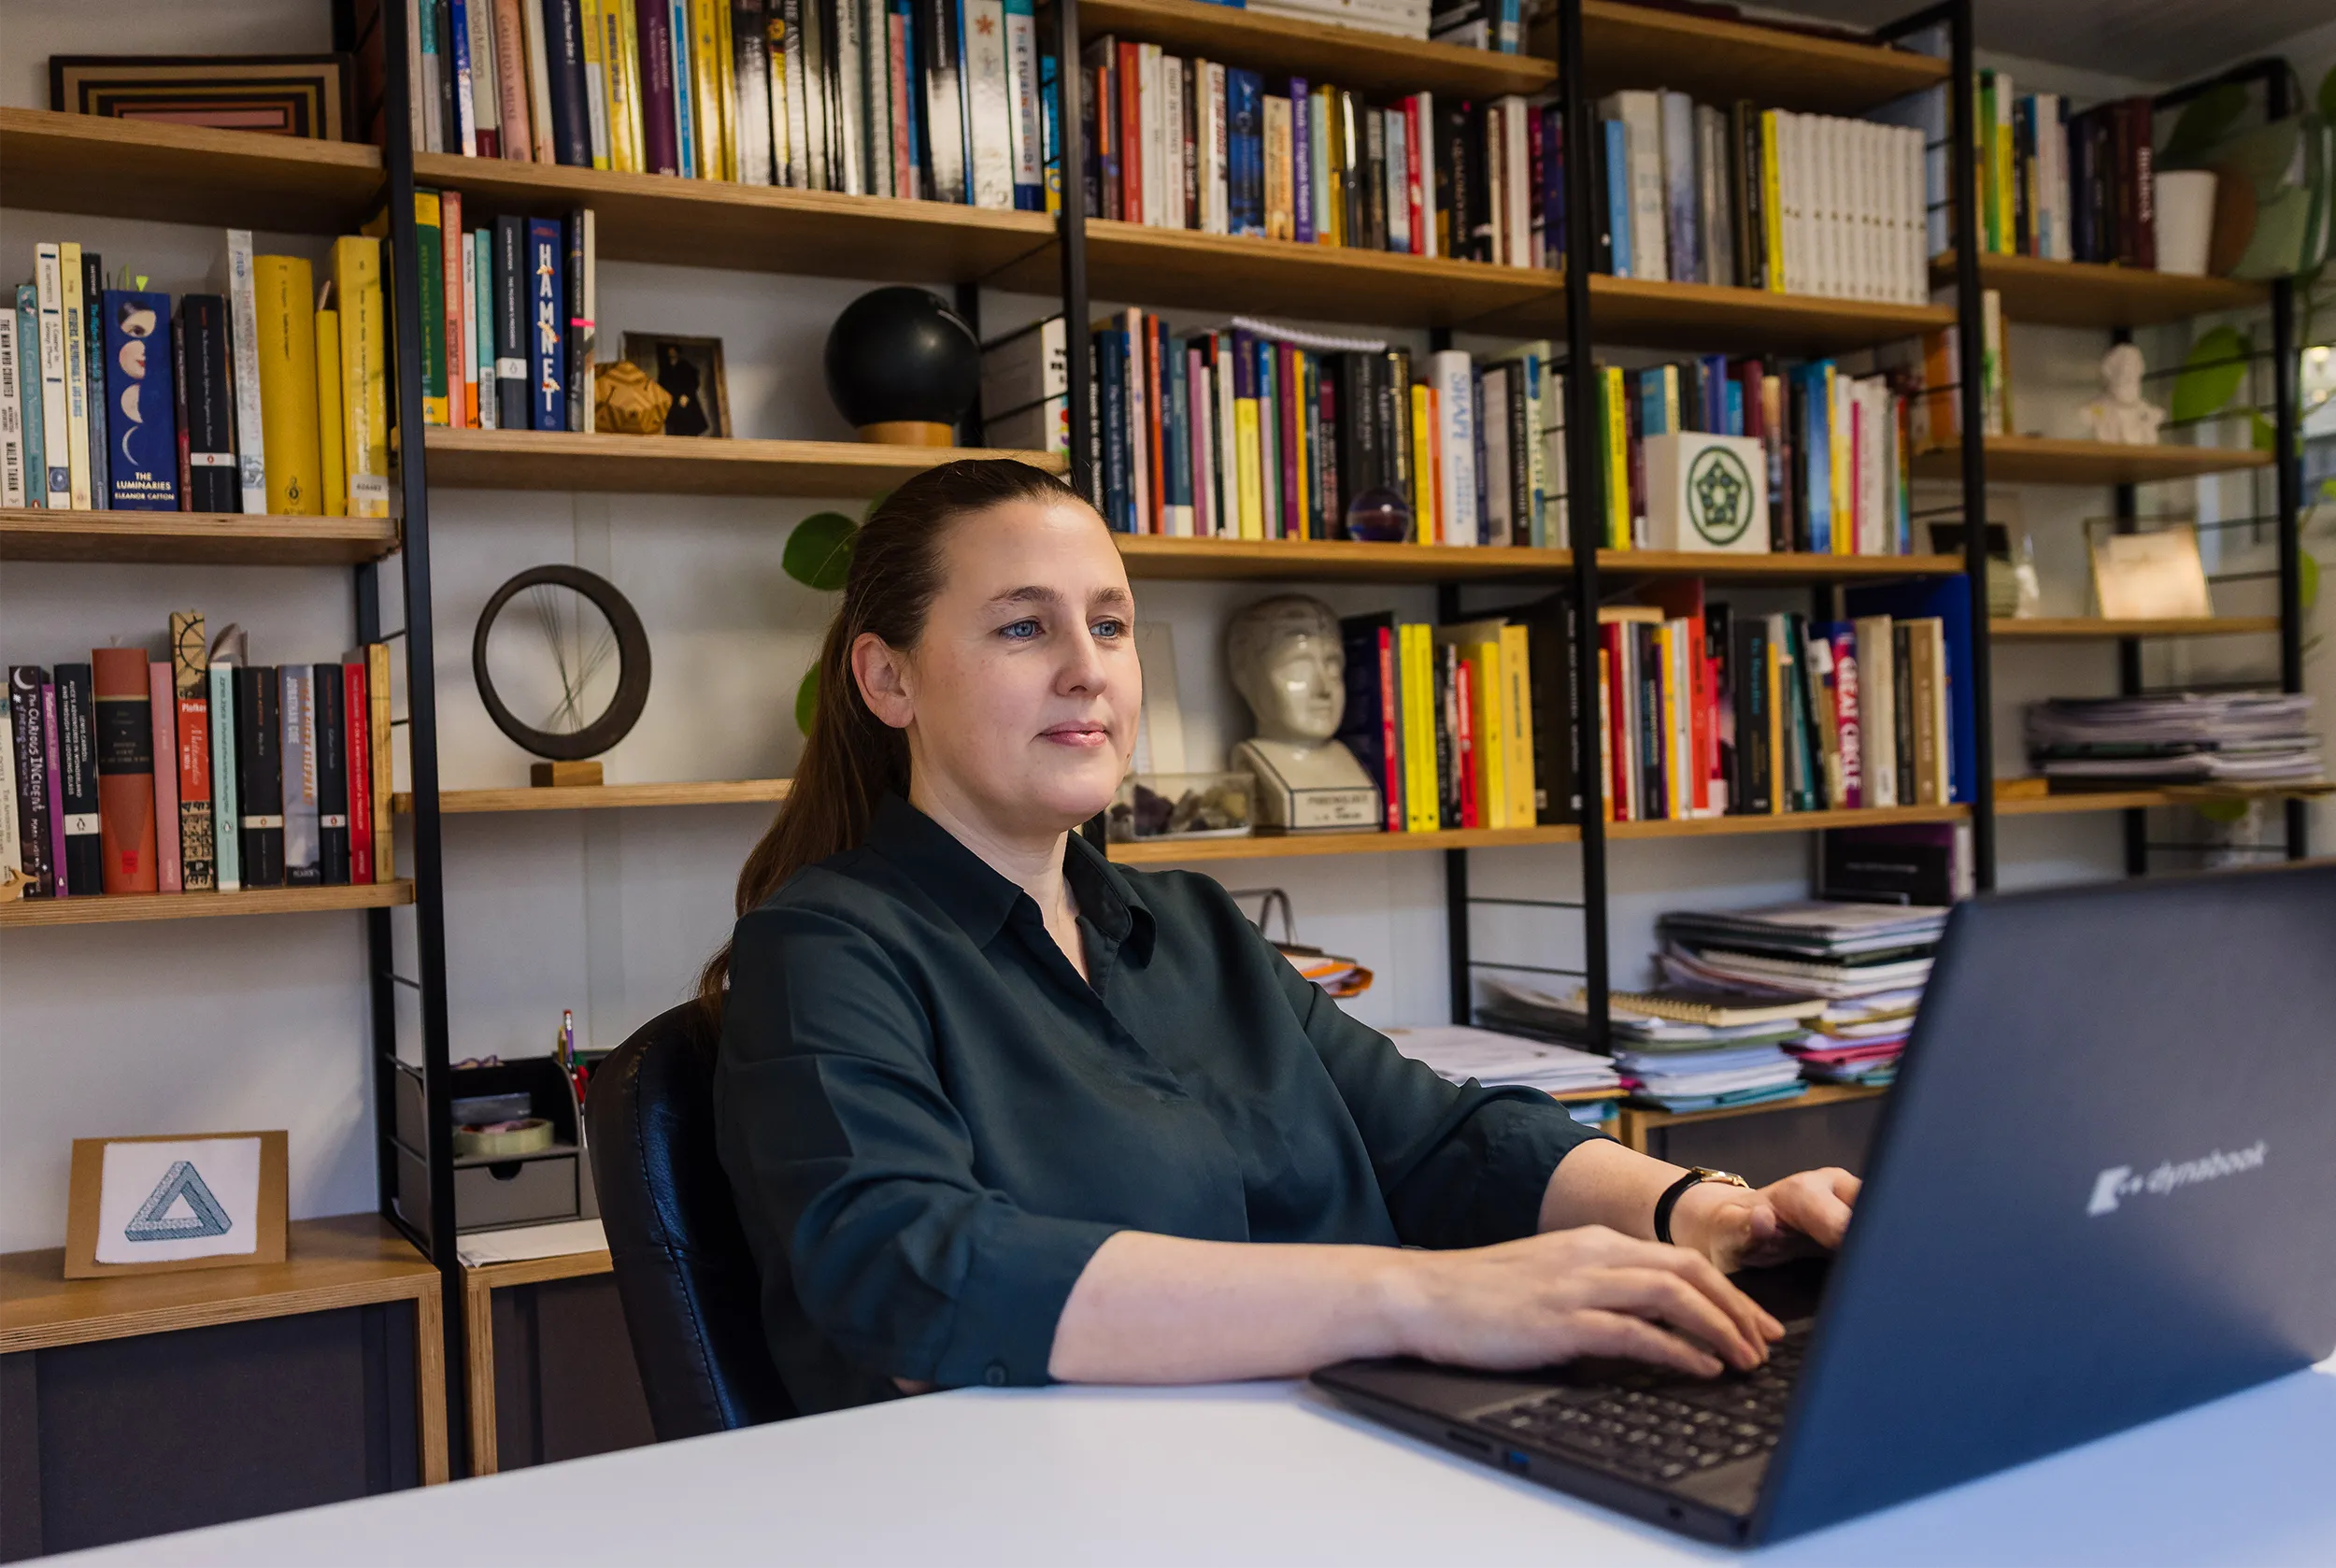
1271 1474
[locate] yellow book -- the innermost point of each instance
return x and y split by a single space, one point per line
1516 687
1248 471
1837 448
331 424
379 762
1479 644
286 292
1776 787
710 71
1667 685
594 40
1617 462
1605 737
1424 527
1772 204
364 388
726 68
1423 807
75 310
622 47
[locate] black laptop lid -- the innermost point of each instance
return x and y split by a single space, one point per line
2104 1189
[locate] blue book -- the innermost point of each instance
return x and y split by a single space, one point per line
1021 86
684 93
1050 136
458 34
1713 385
1111 373
1817 453
28 393
571 110
1949 599
1735 407
1178 428
1552 184
548 344
1301 162
1652 418
142 445
1619 193
100 407
1245 149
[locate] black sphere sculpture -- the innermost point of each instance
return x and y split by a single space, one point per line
902 367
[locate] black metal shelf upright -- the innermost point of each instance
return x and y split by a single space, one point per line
433 1231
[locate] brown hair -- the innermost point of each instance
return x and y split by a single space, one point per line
853 758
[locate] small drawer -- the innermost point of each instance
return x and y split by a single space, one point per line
515 1192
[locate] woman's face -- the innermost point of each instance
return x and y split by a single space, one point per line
1020 699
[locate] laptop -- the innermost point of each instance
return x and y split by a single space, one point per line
2097 1196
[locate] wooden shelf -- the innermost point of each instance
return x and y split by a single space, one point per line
101 908
1184 852
1707 316
750 228
546 460
186 173
1784 565
1153 555
192 538
599 797
1320 52
2097 629
351 1259
1636 1122
2037 460
1790 821
1717 61
2089 294
2082 800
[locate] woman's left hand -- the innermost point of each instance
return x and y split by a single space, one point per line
1737 1228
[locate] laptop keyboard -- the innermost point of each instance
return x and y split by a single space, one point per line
1658 1425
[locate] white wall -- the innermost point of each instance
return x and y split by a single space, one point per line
260 1022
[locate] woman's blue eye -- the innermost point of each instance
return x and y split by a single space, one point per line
1110 628
1021 631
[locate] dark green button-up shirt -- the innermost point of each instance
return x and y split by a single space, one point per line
931 1121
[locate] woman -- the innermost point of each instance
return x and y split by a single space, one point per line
996 1111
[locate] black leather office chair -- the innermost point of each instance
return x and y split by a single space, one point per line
689 1285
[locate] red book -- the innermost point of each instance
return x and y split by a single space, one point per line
125 768
1702 759
1130 75
1849 726
1464 739
197 840
1288 385
360 711
1156 404
1391 707
162 704
1415 132
1618 718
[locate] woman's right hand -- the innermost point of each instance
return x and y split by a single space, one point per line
1590 1291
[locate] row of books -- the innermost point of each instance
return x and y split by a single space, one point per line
203 772
268 395
1767 199
507 334
932 99
2067 187
1938 413
1706 713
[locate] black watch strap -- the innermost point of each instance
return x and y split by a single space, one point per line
1696 1175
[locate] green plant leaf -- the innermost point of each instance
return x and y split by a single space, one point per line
874 503
2204 120
807 699
819 551
2328 95
2211 374
2263 434
2221 810
2307 579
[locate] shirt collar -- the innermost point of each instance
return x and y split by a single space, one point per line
971 892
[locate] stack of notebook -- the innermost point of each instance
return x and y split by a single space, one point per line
1865 962
1585 1082
1679 1047
2182 737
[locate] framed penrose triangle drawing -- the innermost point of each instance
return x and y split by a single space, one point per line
179 1201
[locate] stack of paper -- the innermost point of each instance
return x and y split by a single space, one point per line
1858 1040
1457 1052
2182 737
1670 1062
1810 948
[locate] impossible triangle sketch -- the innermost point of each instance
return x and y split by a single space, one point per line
180 1181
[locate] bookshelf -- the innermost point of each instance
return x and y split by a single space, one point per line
2097 629
2090 295
186 173
109 908
678 465
1718 59
1317 50
599 797
192 538
2039 459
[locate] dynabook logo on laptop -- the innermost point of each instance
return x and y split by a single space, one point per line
2112 1186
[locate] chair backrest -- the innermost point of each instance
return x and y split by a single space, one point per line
691 1291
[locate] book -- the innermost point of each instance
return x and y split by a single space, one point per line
298 772
356 772
163 717
122 730
101 422
259 756
547 363
191 752
21 483
143 436
49 293
226 797
239 286
83 859
286 354
72 313
376 661
1370 725
29 750
332 418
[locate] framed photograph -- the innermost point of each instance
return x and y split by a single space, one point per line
2150 576
690 368
179 1201
304 95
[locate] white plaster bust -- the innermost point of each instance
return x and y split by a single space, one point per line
2118 415
1289 665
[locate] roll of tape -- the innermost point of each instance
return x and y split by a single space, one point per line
504 1140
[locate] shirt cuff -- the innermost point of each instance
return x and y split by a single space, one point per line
1012 1300
1523 1141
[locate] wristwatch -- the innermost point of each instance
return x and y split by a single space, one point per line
1696 1175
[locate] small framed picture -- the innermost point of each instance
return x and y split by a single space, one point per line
181 1201
691 369
304 95
2158 575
